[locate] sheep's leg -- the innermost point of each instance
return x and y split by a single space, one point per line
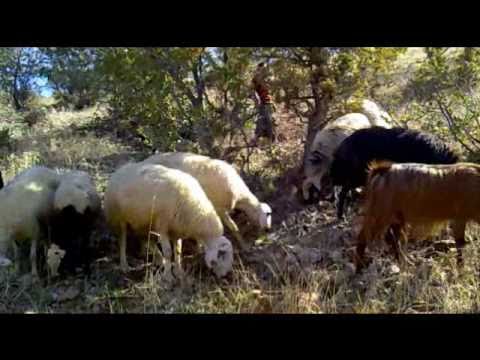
122 241
178 258
228 221
157 254
151 247
458 228
16 255
33 259
341 202
167 257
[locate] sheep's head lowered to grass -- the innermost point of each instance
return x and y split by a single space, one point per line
265 216
54 258
219 256
260 214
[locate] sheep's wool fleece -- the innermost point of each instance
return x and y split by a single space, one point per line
174 200
25 199
220 181
76 189
328 139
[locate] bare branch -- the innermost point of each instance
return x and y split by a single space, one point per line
451 125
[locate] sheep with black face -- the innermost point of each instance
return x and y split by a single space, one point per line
328 139
76 210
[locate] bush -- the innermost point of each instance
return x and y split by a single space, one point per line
5 138
34 116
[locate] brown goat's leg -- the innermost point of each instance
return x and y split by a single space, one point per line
395 237
403 243
458 228
392 241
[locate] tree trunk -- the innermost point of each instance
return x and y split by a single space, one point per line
322 96
16 102
15 95
316 122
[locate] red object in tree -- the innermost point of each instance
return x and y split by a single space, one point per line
260 87
262 92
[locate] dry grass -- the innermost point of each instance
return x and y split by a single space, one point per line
303 266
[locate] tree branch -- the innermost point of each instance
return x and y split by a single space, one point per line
172 69
451 125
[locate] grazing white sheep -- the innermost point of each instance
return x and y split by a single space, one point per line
223 186
26 201
149 198
328 139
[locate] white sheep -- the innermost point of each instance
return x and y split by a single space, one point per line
223 186
328 139
26 201
76 189
148 198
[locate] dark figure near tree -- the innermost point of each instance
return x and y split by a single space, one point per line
265 126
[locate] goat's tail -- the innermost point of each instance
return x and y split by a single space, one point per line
376 169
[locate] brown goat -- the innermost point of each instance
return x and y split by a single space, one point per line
418 195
